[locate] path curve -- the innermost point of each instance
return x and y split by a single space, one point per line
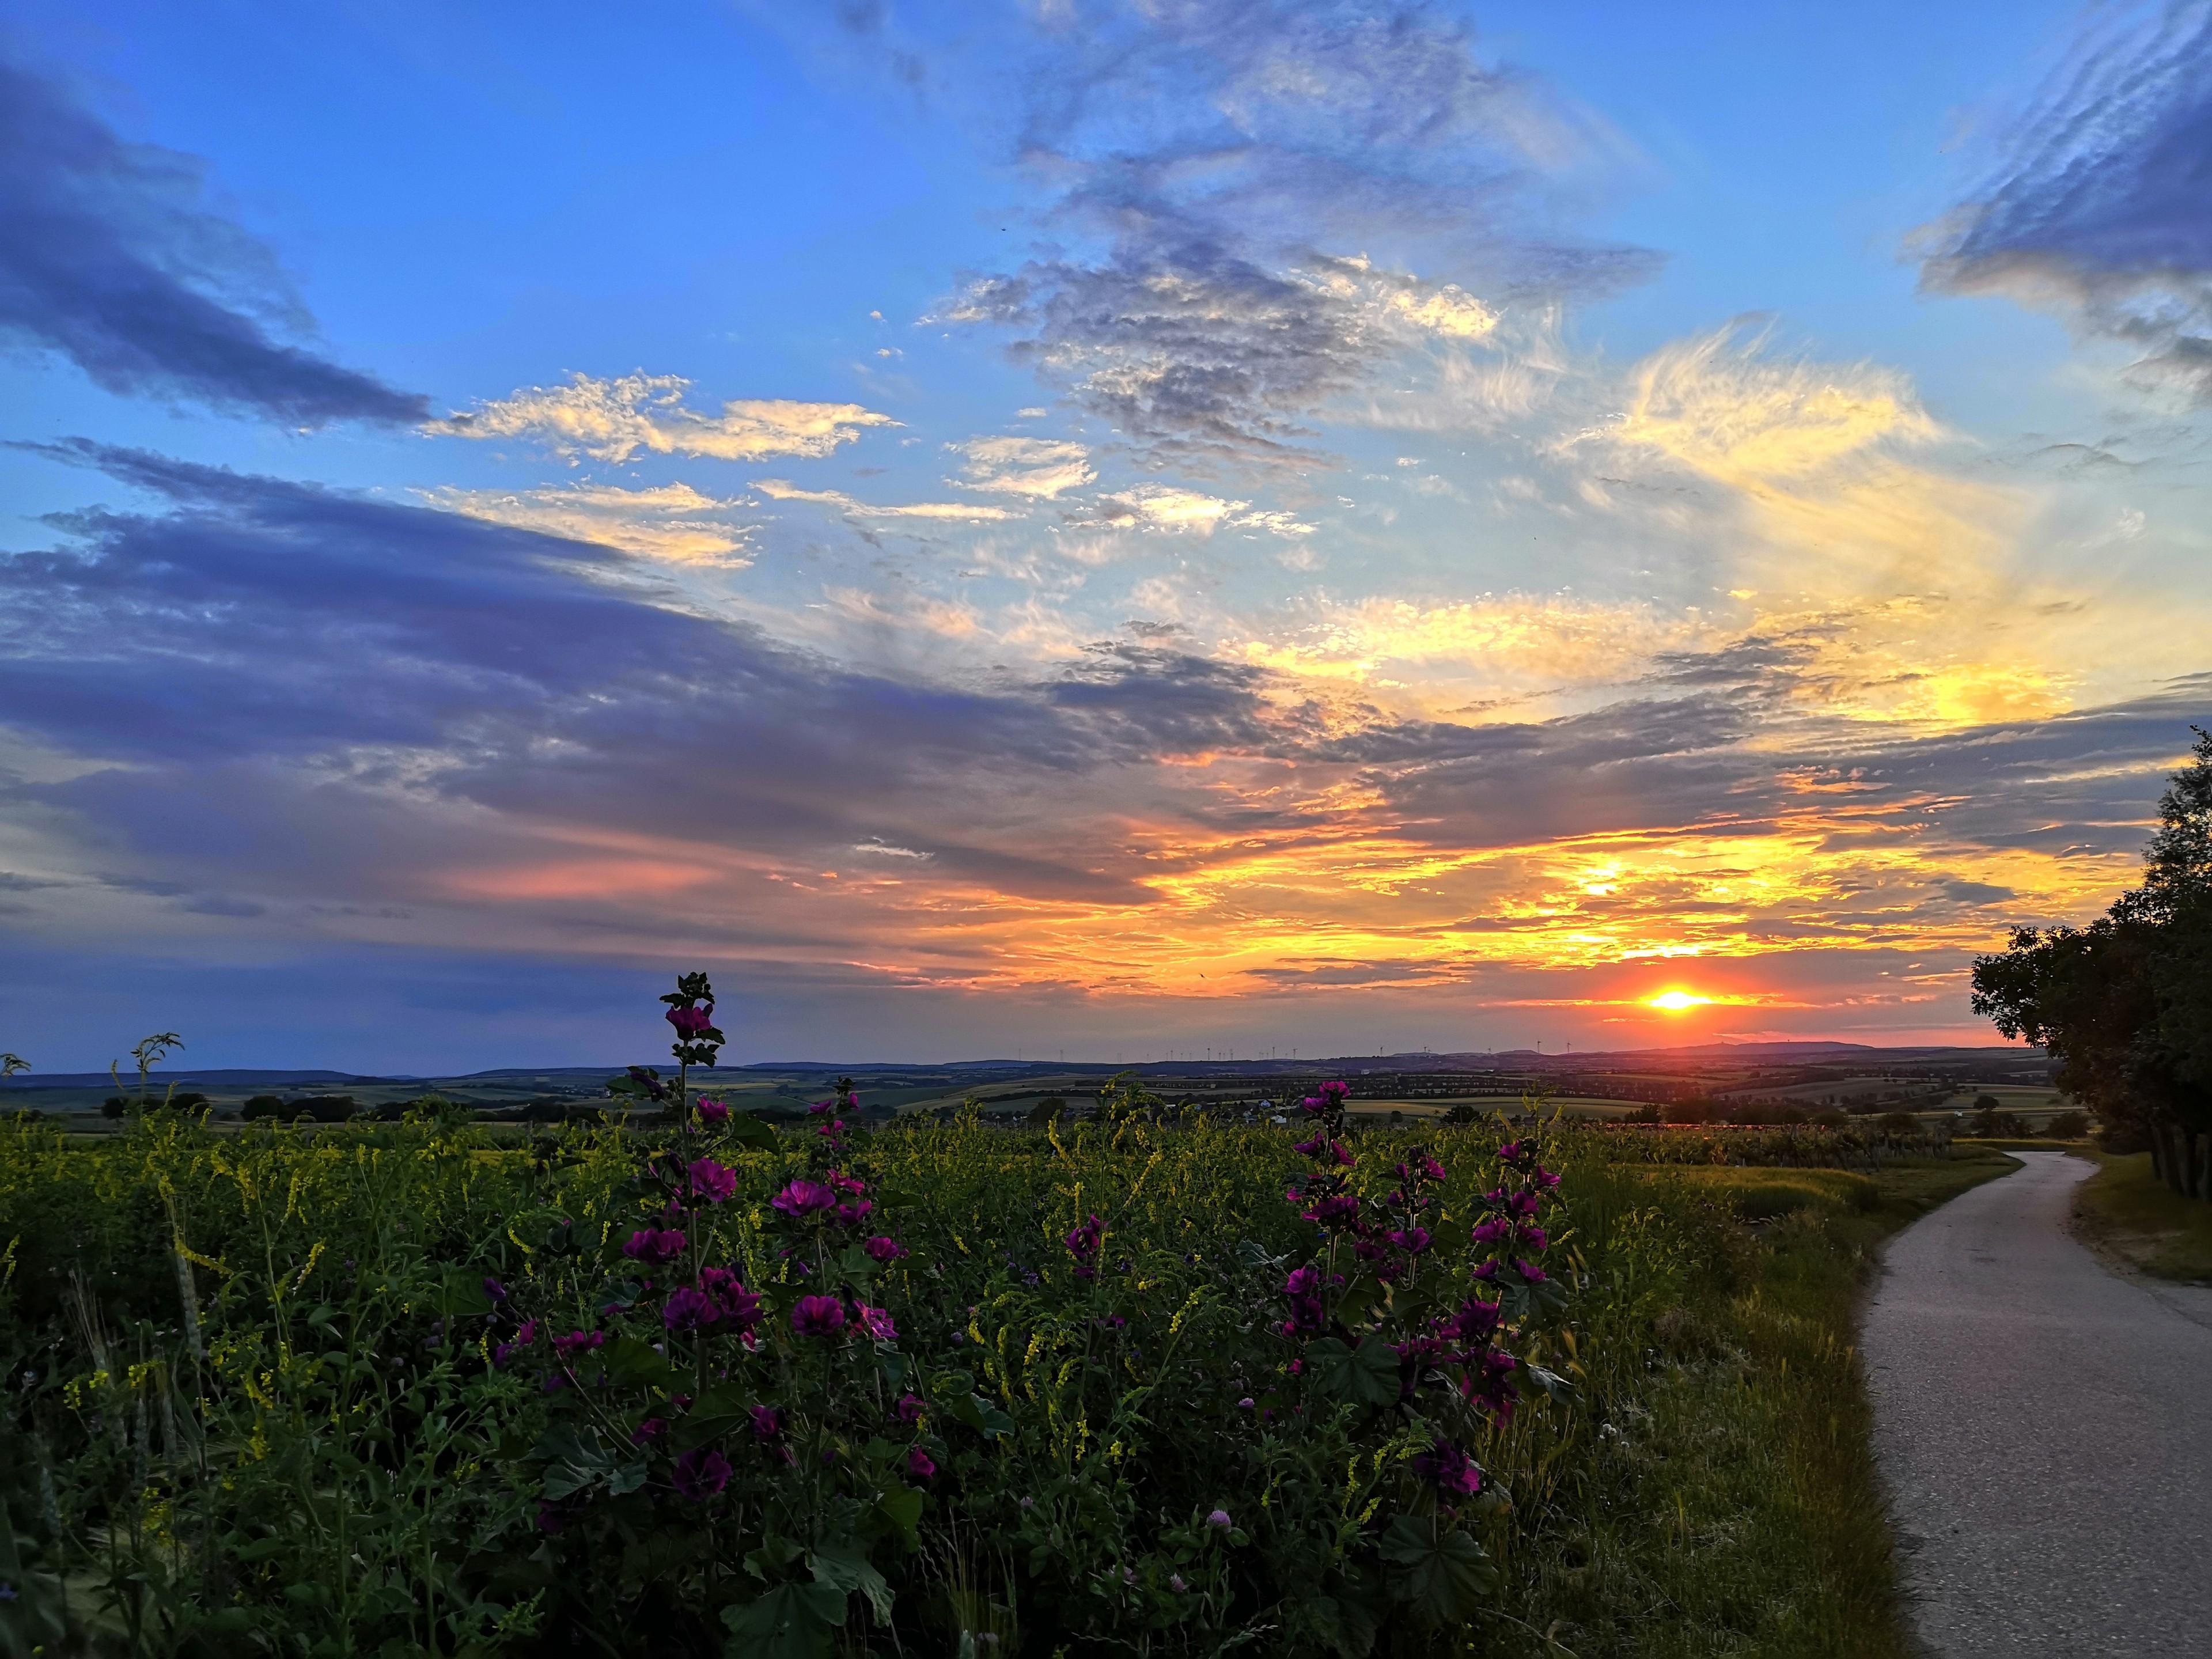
2044 1427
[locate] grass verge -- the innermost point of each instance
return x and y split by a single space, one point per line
2127 1212
1731 1508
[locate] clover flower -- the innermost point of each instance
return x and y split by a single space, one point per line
701 1472
1219 1520
818 1315
714 1183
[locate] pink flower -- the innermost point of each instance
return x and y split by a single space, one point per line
1490 1229
713 1182
768 1423
737 1304
714 1111
909 1408
701 1472
803 1198
1083 1243
1449 1470
650 1432
1305 1281
1475 1321
688 1309
1412 1240
657 1245
920 1465
1219 1520
818 1315
692 1023
876 1322
567 1347
880 1248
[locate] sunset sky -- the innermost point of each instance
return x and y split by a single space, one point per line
1091 525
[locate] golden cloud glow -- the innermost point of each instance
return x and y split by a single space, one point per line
673 522
612 420
1677 1002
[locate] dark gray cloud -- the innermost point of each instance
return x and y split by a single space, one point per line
2099 206
1213 163
261 638
108 257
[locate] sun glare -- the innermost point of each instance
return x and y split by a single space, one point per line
1676 1002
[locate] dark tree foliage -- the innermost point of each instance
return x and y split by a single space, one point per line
2124 1004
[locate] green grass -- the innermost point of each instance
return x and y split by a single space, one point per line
2129 1213
1731 1508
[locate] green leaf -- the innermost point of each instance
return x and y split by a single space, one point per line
749 1131
1534 1379
901 1507
791 1621
630 1362
849 1570
1440 1577
465 1295
1366 1375
988 1420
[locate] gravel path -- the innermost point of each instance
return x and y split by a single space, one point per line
2045 1429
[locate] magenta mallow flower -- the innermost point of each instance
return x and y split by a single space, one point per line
655 1244
1083 1243
713 1112
691 1023
919 1464
495 1290
803 1198
701 1472
1449 1470
578 1342
505 1352
876 1322
737 1305
1490 1230
880 1248
909 1408
687 1310
650 1432
1475 1321
818 1315
768 1423
1412 1240
714 1183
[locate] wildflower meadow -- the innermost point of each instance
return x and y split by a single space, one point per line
684 1383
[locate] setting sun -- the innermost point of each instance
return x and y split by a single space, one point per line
1676 1002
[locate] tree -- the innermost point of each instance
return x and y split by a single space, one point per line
12 1063
2124 1004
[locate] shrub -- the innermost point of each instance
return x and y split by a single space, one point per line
1687 1111
2067 1125
1899 1123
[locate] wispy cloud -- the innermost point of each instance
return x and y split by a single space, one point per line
673 522
611 420
782 489
108 256
2096 208
1041 468
1220 165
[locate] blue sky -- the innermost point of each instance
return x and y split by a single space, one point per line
1077 526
